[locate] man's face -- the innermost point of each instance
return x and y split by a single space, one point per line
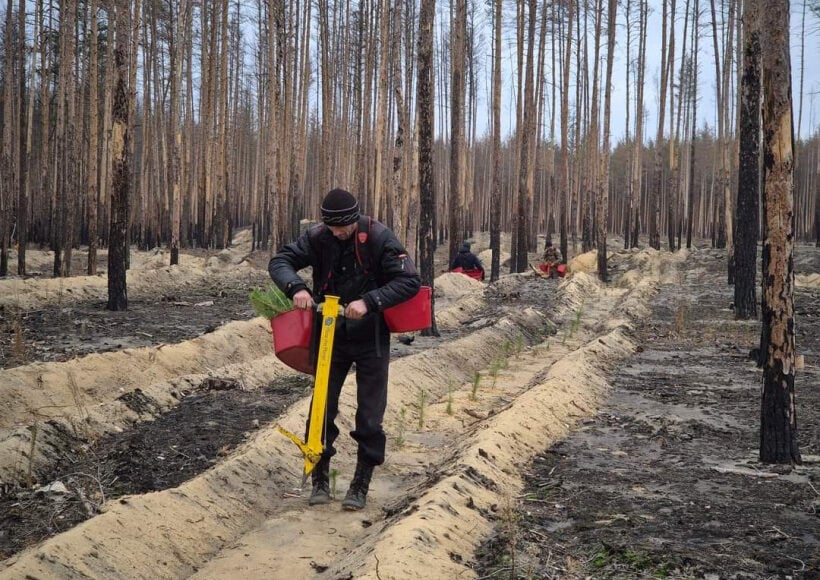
343 232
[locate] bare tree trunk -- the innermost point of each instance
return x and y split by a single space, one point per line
427 196
495 204
602 207
694 103
593 150
778 418
208 72
26 117
7 177
748 186
655 195
564 193
175 47
637 155
381 109
69 145
118 235
457 91
527 136
92 191
222 215
675 149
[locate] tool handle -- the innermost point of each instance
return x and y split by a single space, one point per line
320 307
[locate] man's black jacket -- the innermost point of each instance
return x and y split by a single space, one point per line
384 274
467 260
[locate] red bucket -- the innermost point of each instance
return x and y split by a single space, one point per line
474 273
291 339
562 270
412 314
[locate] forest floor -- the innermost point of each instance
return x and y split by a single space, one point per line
555 429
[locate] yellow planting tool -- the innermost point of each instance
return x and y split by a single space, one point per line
312 450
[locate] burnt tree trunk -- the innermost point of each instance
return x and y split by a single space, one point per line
118 232
495 205
427 198
748 185
778 419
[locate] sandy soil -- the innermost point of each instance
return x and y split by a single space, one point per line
166 450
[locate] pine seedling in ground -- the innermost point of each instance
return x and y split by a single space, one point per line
476 381
422 405
577 322
494 368
450 398
334 473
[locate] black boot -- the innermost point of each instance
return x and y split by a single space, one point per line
356 497
321 483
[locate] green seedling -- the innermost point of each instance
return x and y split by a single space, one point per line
511 520
333 475
422 405
270 302
450 398
494 368
577 322
476 381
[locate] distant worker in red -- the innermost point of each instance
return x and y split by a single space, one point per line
467 263
550 259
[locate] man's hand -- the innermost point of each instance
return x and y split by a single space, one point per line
302 300
356 309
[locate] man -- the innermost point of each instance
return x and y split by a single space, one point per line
467 261
360 260
551 253
550 259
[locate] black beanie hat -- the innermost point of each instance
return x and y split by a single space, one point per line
340 208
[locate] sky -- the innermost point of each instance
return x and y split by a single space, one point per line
810 120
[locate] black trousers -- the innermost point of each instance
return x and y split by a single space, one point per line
371 356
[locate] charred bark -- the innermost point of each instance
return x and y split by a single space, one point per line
427 198
748 186
778 419
118 232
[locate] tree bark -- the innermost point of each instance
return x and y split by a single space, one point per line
564 193
526 160
118 234
457 92
427 197
92 191
7 177
778 418
602 206
495 204
25 128
636 182
748 186
694 104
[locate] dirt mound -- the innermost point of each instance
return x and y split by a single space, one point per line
521 365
